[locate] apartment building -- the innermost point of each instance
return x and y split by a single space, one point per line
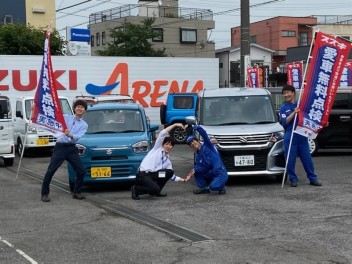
184 31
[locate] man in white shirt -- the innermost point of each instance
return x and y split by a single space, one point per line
156 168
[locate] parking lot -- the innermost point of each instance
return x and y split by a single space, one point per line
255 222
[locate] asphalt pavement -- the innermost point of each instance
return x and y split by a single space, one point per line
255 222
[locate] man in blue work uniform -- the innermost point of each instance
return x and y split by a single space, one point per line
299 145
209 171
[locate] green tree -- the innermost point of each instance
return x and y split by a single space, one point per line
134 40
19 39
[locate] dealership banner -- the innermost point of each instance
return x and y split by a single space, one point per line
253 77
346 77
328 59
295 74
47 113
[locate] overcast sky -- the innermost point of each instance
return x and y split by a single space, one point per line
78 16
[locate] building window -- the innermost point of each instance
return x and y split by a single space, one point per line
303 39
221 65
160 37
288 33
103 38
92 41
98 39
188 35
8 19
253 39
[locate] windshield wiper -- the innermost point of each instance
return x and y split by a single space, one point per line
263 122
103 132
131 130
233 123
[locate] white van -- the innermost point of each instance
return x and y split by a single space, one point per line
7 148
36 138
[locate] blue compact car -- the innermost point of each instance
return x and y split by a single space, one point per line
118 138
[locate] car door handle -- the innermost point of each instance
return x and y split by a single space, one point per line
1 127
345 118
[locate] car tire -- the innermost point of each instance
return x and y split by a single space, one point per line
9 161
19 147
313 147
163 114
179 135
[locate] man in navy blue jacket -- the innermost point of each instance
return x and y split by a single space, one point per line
209 171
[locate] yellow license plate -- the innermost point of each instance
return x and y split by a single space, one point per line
42 141
100 172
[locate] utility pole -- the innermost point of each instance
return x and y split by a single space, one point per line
245 47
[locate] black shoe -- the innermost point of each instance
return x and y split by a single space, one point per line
134 194
78 196
45 198
161 194
294 184
201 191
315 183
223 191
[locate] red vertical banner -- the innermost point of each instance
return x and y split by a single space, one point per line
295 74
253 77
328 59
47 113
346 76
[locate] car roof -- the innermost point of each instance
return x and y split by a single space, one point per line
114 106
225 92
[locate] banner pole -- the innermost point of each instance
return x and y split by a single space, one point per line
299 99
23 146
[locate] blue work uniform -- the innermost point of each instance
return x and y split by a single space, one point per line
208 165
299 146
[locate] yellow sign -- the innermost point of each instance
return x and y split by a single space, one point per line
42 141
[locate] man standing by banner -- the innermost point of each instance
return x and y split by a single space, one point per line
299 145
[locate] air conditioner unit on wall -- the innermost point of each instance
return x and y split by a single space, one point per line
38 10
8 19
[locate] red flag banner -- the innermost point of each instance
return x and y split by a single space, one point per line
295 74
328 58
346 77
47 113
253 77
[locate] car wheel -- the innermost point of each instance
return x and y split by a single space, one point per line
313 146
19 146
72 185
8 162
179 135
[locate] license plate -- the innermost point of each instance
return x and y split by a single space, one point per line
42 141
100 172
244 160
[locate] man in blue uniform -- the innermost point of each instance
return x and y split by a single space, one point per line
209 171
299 145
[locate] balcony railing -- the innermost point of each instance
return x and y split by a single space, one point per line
150 11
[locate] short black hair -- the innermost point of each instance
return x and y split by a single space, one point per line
80 102
169 140
288 87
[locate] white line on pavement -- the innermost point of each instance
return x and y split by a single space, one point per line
32 261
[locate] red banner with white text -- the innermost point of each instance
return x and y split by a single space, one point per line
47 113
294 72
328 59
253 77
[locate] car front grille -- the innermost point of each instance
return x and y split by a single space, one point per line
51 138
242 140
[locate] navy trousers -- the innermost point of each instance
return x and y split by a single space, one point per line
150 183
62 152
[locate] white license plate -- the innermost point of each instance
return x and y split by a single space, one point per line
244 160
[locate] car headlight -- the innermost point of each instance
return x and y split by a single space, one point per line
31 129
140 147
276 136
81 149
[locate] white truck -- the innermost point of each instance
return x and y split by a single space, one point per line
7 149
147 80
28 137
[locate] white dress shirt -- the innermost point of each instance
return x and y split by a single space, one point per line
156 158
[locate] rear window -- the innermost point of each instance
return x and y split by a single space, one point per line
5 108
183 102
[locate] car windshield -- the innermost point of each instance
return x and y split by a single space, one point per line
217 111
113 121
65 107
